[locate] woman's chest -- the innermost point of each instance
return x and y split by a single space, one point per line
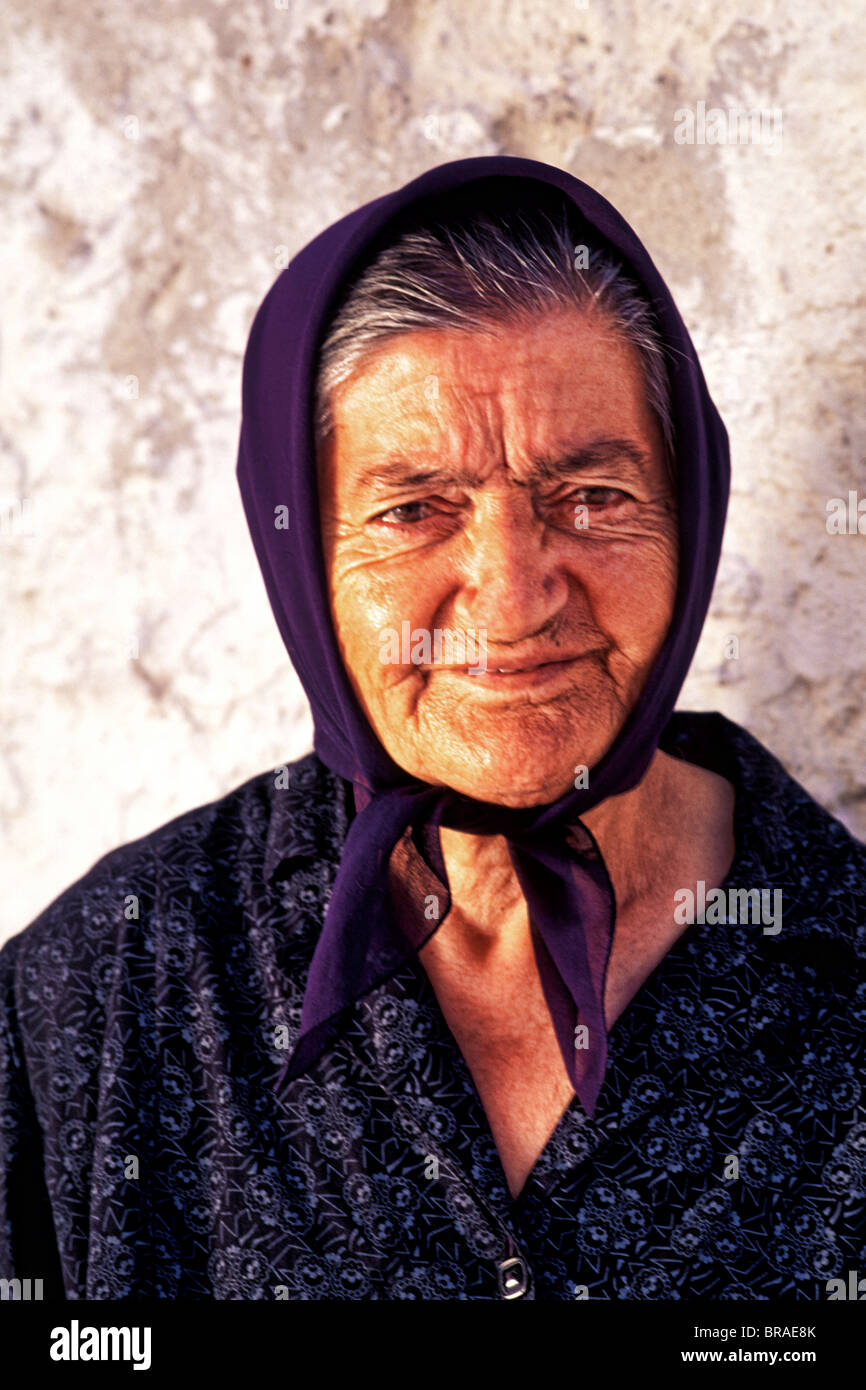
500 1020
501 1023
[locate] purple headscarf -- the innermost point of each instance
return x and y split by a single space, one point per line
392 859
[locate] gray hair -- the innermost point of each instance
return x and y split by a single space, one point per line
483 268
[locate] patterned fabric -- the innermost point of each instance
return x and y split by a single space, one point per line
147 1150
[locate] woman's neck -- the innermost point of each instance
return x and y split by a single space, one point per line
641 834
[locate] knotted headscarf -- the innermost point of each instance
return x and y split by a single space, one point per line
392 863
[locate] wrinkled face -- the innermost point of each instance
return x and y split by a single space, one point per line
498 501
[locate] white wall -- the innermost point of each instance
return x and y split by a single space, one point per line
156 161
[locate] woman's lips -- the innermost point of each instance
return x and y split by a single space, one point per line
549 673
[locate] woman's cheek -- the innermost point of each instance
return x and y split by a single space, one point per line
370 614
632 589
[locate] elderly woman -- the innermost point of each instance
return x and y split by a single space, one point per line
521 984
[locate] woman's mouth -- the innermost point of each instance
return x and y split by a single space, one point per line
508 680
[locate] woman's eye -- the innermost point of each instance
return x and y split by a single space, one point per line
599 496
409 514
413 513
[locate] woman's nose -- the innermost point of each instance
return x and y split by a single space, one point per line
511 569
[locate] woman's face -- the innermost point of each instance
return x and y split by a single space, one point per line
508 490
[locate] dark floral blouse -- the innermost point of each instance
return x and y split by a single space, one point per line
147 1149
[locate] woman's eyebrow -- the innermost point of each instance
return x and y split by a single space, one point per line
626 454
604 451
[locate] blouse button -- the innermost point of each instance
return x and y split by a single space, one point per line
513 1277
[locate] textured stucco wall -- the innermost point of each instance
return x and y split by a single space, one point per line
156 164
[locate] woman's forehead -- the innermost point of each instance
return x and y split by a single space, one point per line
540 382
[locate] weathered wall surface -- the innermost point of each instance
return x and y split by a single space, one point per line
157 163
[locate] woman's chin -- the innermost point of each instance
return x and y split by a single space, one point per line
528 757
508 780
531 767
515 797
